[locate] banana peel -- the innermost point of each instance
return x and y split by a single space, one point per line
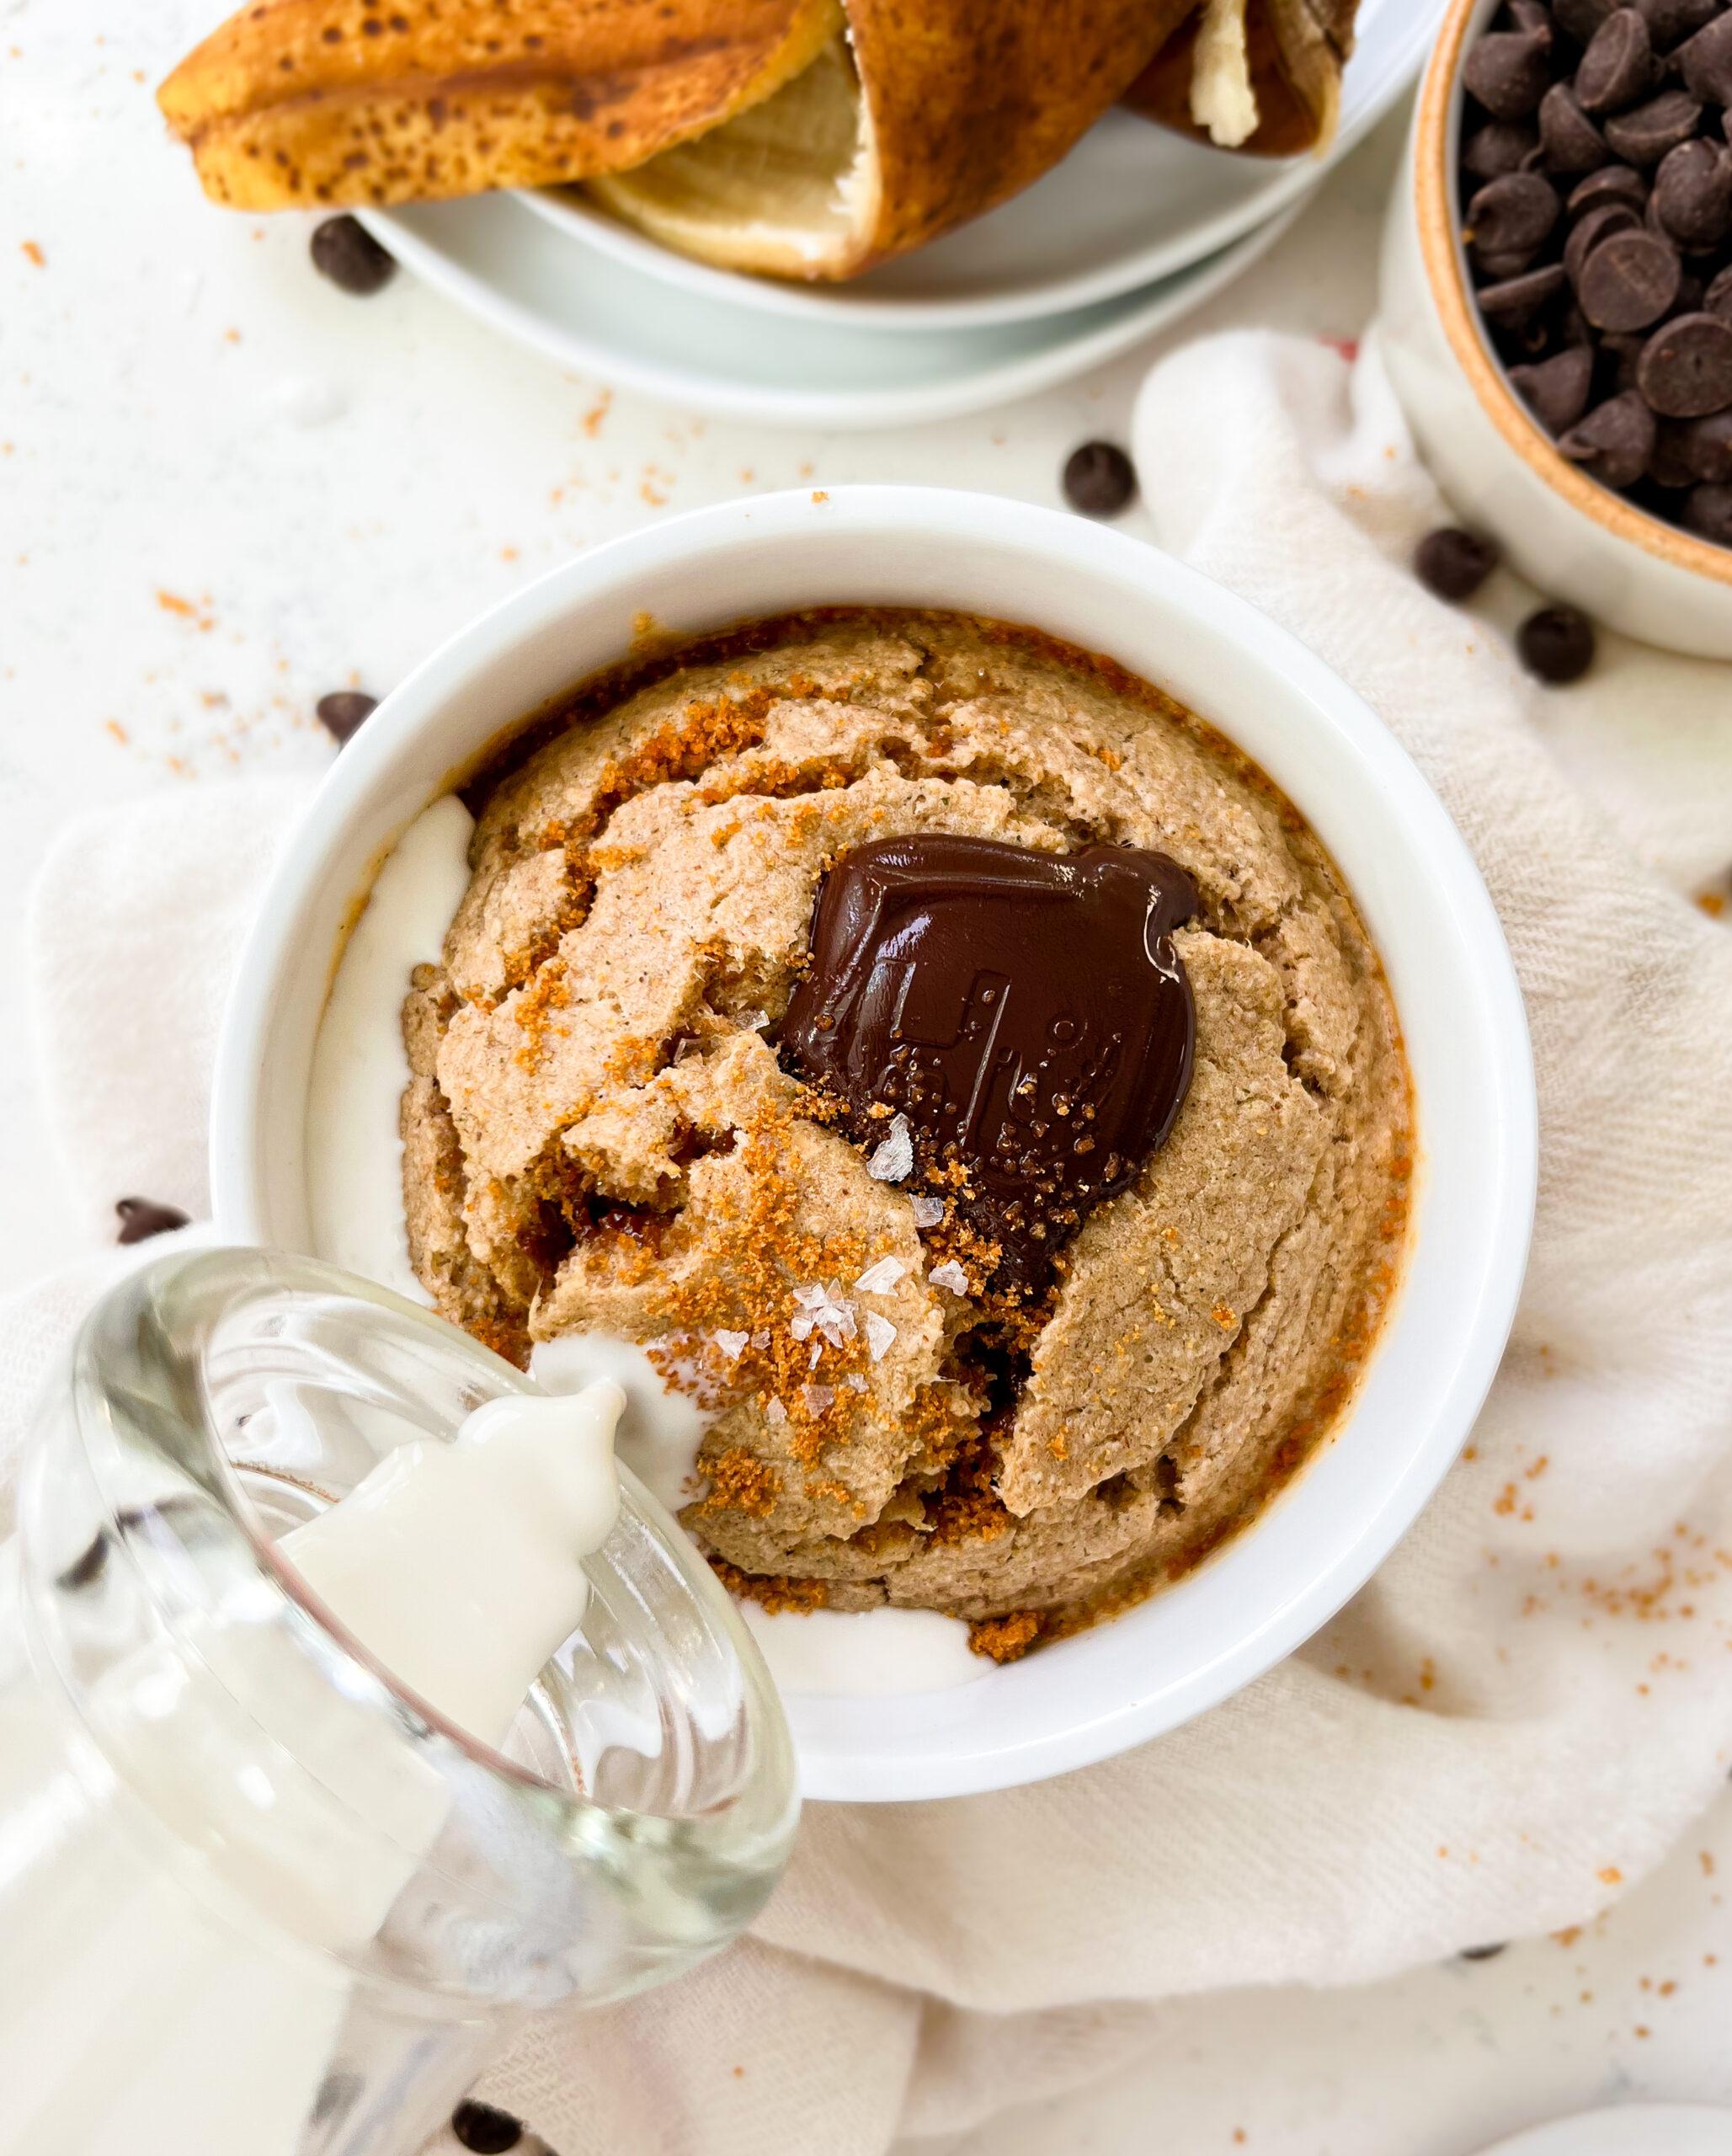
1260 76
304 104
756 134
966 106
918 121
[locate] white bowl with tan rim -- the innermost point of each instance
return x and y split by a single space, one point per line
1315 1544
1574 538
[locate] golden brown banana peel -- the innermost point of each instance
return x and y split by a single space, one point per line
933 111
298 104
1295 50
970 103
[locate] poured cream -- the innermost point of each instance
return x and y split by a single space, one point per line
360 1067
660 1430
864 1653
460 1566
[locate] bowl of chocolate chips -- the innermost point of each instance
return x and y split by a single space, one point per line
1557 300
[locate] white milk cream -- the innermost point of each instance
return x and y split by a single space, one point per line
870 1653
661 1428
145 2020
355 1178
865 1653
360 1065
523 1495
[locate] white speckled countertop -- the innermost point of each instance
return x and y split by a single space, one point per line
225 487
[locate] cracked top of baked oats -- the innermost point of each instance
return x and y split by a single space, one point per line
614 1125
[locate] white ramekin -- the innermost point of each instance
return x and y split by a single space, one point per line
1261 1595
1572 538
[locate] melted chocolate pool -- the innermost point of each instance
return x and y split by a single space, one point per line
1025 1011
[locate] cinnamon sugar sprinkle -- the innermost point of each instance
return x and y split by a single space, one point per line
772 1593
1005 1639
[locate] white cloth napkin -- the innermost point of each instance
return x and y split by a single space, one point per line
1525 1707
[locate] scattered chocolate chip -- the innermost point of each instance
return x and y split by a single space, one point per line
1099 479
1454 563
1668 460
485 2131
1512 297
1533 16
1705 62
1628 280
1556 390
1580 19
1718 298
1643 136
1556 644
1483 1953
343 713
1692 194
1571 141
1707 511
1512 215
141 1218
1686 368
346 252
1618 69
1624 350
1509 73
1588 232
1670 22
1499 269
1528 339
1611 183
1498 147
1707 445
1614 443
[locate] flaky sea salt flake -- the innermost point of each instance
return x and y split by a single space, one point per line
775 1412
731 1344
950 1275
892 1161
880 1278
822 1310
819 1397
928 1211
881 1335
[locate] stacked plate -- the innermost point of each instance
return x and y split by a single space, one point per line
1134 229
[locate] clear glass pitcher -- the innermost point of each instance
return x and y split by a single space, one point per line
253 1896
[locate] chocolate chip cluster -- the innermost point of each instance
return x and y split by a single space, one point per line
1597 211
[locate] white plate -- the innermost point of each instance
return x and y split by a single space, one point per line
519 275
1628 2130
1130 204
